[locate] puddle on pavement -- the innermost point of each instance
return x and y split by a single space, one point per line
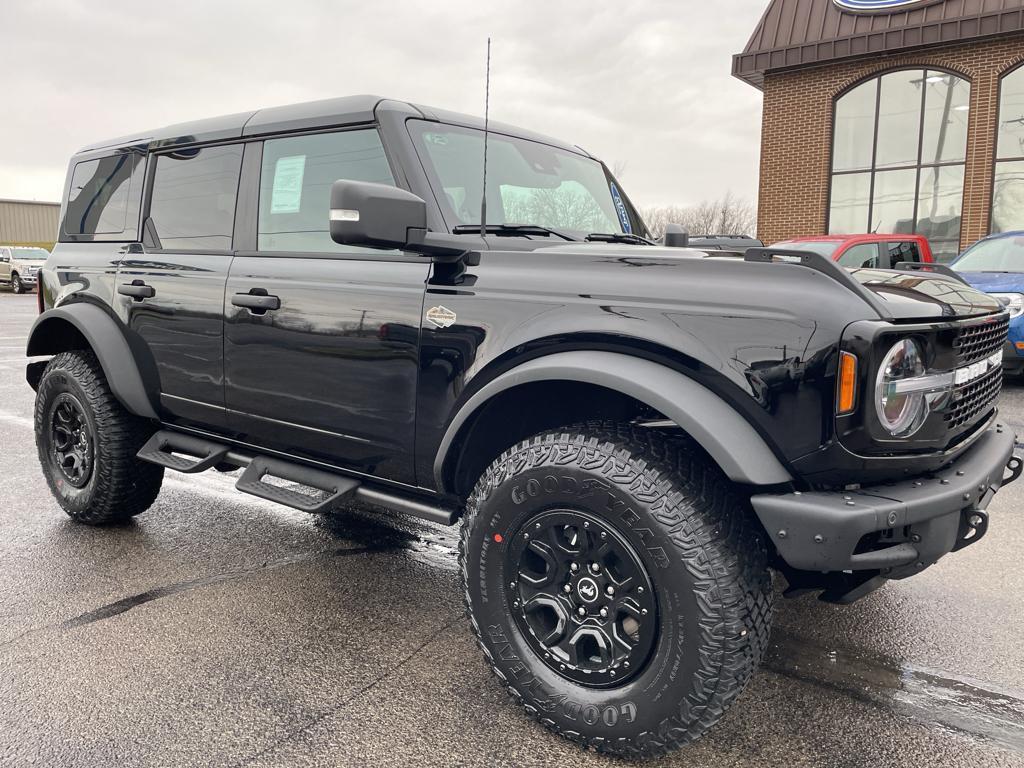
973 707
435 545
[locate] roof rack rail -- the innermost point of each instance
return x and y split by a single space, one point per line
929 266
821 264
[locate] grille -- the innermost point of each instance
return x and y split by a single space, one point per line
973 399
978 341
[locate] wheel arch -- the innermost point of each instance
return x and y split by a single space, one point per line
621 386
85 326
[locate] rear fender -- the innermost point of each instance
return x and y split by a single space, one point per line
52 331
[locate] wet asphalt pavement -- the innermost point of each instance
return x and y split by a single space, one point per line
219 630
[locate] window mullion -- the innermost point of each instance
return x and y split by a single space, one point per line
874 153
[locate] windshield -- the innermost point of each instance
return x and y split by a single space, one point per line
1005 254
826 248
31 254
527 182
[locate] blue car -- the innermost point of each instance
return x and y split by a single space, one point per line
996 265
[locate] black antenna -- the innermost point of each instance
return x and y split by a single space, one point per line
487 123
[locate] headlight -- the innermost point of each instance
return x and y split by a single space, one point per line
1014 302
904 393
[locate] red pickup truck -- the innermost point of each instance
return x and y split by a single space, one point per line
875 251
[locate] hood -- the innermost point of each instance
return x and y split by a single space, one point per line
920 296
923 296
996 282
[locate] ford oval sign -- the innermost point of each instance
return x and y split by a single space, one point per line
878 6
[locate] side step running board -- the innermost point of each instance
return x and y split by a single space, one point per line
186 453
332 488
197 455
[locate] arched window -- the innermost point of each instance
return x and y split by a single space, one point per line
1008 194
898 153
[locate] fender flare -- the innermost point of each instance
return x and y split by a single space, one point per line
723 432
107 341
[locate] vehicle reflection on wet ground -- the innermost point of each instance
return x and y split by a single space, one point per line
222 630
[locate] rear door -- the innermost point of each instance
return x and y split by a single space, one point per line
171 289
322 340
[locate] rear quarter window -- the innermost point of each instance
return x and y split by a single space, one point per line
100 200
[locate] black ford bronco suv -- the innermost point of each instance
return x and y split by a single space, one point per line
632 435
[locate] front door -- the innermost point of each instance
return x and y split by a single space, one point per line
321 341
172 288
5 264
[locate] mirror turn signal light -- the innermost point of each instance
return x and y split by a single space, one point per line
846 401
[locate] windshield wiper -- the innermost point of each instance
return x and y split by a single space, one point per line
510 230
618 237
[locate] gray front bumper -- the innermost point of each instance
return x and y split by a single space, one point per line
917 521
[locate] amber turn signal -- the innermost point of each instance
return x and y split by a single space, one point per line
847 400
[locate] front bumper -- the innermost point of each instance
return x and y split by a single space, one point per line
895 529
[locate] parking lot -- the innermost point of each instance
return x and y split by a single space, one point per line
219 630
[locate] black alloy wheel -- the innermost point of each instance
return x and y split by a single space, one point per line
88 444
617 582
582 598
71 440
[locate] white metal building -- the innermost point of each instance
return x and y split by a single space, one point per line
26 222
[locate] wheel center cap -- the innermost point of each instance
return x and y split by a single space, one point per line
587 589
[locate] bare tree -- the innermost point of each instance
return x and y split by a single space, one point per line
558 208
730 215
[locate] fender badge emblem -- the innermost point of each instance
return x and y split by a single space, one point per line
442 317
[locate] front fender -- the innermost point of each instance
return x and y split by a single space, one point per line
49 336
726 435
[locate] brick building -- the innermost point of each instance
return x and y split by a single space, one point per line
890 116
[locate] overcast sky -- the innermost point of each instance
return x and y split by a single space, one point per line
644 85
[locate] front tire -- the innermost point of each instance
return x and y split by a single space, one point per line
87 444
617 585
16 285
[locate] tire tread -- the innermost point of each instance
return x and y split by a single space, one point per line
124 485
716 537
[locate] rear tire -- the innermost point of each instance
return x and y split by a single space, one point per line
16 285
625 506
88 442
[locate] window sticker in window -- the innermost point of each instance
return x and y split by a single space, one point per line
296 176
286 195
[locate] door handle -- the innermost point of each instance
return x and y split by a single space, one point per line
137 289
257 303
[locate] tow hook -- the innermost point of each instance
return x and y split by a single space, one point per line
973 526
1015 466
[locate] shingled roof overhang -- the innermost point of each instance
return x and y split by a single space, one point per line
803 33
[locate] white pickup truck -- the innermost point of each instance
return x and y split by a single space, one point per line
18 266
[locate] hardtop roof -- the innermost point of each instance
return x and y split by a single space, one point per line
312 115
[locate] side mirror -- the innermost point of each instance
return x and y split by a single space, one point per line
676 236
375 215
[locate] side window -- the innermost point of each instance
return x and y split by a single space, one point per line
295 186
5 255
862 255
99 195
905 251
193 202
